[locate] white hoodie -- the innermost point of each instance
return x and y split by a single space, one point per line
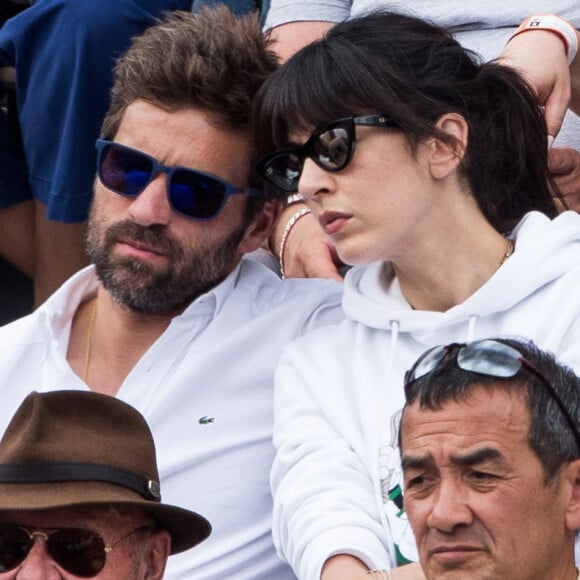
336 477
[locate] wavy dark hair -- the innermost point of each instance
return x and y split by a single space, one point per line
212 61
415 72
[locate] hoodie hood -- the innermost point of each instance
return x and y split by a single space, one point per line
544 251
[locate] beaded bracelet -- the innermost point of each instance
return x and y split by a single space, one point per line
290 200
552 23
289 225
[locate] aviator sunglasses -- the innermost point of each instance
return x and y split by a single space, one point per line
79 551
191 193
487 357
330 147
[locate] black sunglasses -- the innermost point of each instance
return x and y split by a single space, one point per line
486 357
330 147
191 193
79 551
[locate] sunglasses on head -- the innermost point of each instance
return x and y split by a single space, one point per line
79 551
191 193
488 357
330 147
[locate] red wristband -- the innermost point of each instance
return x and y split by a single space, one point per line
555 24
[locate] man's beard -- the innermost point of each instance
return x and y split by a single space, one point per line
141 287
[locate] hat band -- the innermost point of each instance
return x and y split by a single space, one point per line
78 471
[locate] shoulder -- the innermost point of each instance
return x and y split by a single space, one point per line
269 289
24 328
51 319
296 303
542 234
329 344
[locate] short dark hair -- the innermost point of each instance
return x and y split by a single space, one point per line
212 61
550 436
414 72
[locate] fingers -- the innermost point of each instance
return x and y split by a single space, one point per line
563 161
564 165
323 269
555 109
309 253
316 261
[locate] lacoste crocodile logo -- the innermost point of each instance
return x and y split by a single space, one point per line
205 420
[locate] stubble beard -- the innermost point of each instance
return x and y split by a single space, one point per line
143 288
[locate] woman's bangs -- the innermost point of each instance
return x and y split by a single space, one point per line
286 105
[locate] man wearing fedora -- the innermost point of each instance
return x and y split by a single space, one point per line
170 318
80 493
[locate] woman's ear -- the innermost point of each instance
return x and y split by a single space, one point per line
447 155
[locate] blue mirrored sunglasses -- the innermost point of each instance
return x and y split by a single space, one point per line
191 193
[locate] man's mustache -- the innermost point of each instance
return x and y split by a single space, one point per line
155 236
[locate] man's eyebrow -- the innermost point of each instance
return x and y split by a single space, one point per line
417 461
483 455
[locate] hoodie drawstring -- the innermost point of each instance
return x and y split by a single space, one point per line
471 328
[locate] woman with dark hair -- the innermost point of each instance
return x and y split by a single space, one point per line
428 171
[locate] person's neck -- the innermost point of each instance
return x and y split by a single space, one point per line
451 259
107 340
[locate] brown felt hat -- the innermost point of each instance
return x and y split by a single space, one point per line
76 448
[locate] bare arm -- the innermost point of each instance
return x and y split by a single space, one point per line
345 567
540 56
291 37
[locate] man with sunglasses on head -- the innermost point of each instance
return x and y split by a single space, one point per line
171 318
490 453
81 496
